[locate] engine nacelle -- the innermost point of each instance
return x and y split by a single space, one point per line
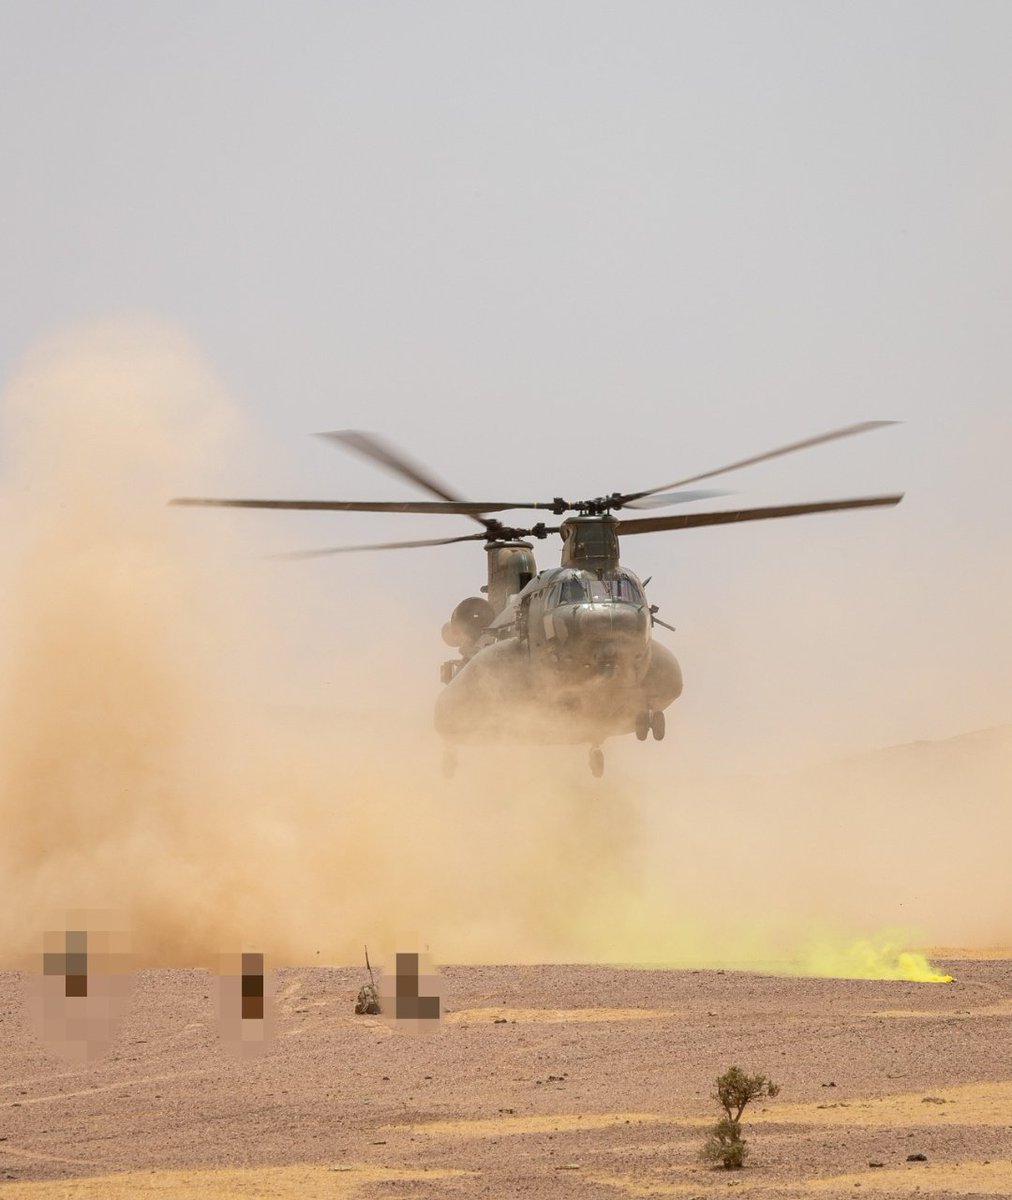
468 620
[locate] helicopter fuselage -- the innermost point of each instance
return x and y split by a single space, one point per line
570 657
565 655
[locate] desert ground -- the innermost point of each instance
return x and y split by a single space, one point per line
561 1081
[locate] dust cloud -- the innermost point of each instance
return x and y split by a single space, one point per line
147 764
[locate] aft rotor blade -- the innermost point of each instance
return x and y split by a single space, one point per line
847 431
733 516
295 554
374 448
467 507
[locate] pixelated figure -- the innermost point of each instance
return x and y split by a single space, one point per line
244 998
72 964
416 1004
78 999
368 1002
252 987
410 1005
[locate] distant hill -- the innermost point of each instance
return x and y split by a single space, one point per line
997 740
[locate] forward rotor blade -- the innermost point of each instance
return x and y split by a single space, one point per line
467 507
694 520
296 554
847 431
655 501
374 448
370 446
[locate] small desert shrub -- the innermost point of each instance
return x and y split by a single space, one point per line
725 1145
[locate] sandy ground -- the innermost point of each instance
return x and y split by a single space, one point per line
561 1081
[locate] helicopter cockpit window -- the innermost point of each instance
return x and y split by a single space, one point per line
596 591
627 590
573 592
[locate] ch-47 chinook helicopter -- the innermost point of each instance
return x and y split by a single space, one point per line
566 654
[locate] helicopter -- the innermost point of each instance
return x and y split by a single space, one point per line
564 655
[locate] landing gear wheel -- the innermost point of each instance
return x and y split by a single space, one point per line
642 725
657 726
449 763
596 759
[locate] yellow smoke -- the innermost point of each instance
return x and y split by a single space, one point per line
880 957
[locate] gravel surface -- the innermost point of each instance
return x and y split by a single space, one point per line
560 1081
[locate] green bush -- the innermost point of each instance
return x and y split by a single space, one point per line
725 1145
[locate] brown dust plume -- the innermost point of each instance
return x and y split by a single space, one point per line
149 765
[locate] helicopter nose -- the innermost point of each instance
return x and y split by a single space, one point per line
605 622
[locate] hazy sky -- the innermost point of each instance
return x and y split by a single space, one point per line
570 248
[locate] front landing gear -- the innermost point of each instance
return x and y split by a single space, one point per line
596 760
650 721
449 762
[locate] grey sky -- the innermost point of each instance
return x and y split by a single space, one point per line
605 243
